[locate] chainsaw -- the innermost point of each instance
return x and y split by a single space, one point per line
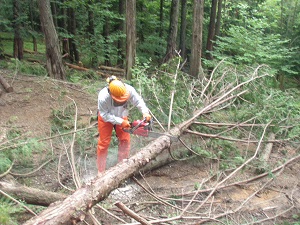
144 128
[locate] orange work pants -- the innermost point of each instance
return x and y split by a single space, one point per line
105 131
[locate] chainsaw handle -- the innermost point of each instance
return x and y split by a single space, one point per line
138 125
134 128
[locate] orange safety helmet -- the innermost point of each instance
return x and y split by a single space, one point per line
117 90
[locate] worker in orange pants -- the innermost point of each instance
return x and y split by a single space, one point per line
113 104
105 131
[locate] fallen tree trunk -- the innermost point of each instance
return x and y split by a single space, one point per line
31 195
118 70
75 207
6 85
76 67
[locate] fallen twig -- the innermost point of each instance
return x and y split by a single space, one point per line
132 214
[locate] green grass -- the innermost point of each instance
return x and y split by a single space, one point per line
7 41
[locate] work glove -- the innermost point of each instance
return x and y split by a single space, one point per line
147 117
125 124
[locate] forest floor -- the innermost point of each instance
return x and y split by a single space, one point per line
265 200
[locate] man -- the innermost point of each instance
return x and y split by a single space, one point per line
113 103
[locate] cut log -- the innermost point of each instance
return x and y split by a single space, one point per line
111 69
31 195
267 150
76 67
102 74
265 155
6 85
35 61
1 92
29 51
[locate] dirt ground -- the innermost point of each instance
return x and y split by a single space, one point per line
273 199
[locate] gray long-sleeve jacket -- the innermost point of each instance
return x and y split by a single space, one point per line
115 114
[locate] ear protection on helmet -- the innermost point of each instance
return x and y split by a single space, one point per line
110 79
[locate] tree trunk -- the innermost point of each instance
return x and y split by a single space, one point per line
211 29
106 28
54 12
121 26
130 36
31 195
197 39
91 33
171 45
34 41
218 22
74 54
161 19
64 25
18 41
1 50
183 29
55 65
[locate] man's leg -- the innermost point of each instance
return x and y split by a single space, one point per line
105 132
124 143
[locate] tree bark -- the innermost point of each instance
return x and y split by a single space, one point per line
218 22
31 195
161 19
173 29
91 33
183 29
18 41
130 36
74 54
54 12
55 65
197 39
64 25
211 29
105 34
32 25
121 26
6 85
